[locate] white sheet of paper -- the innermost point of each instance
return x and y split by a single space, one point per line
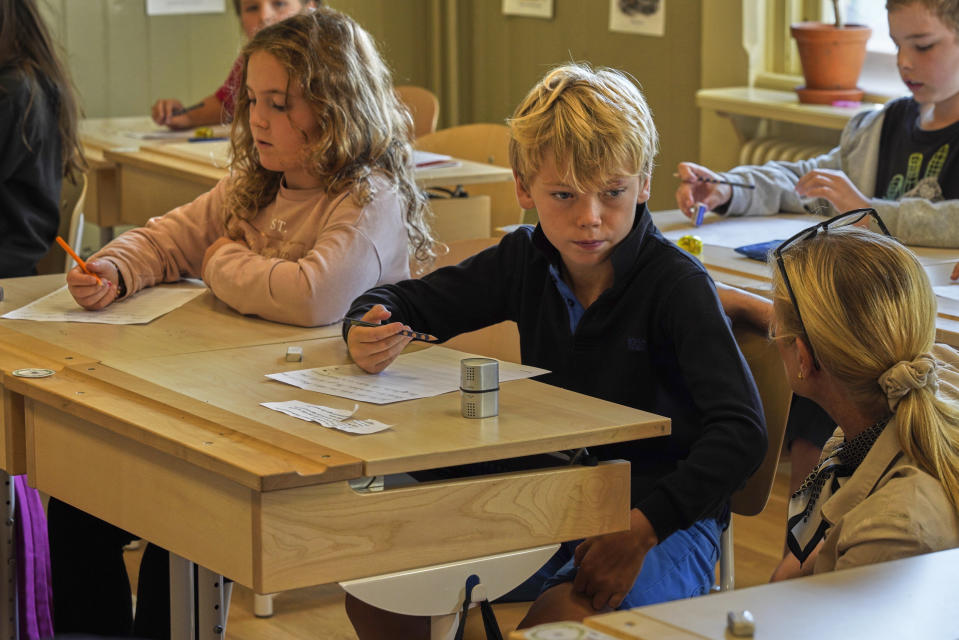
422 374
738 231
327 416
429 160
141 308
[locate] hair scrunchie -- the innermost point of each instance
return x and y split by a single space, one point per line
903 377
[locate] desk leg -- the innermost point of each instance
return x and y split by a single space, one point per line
199 602
213 598
182 610
9 614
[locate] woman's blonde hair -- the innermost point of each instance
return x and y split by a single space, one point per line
867 305
364 131
595 123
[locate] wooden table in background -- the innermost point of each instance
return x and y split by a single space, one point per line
134 179
725 265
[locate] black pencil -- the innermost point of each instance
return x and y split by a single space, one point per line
179 111
744 185
416 335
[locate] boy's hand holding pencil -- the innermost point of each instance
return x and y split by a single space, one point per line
702 190
373 345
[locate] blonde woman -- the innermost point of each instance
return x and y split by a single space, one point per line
854 318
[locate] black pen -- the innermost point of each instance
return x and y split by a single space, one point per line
744 185
179 111
416 335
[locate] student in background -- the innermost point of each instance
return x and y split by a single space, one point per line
219 107
38 137
319 206
854 318
615 311
902 160
38 148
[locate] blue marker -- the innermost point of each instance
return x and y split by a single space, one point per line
700 214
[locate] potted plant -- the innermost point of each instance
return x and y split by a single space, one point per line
831 57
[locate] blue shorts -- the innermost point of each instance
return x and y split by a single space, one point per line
681 566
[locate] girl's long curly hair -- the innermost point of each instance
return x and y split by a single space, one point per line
364 130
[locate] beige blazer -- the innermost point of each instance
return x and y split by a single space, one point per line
890 508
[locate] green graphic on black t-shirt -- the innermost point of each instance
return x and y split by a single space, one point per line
900 185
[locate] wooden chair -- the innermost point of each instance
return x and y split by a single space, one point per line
423 106
774 391
72 197
500 341
480 143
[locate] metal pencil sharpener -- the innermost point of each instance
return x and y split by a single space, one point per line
479 387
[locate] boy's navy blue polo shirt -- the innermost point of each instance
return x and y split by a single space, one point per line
657 340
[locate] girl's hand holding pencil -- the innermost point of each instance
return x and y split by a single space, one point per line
93 284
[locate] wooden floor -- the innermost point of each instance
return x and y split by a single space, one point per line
318 612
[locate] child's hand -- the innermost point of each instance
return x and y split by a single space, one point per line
608 564
743 306
84 287
374 348
692 191
833 185
163 110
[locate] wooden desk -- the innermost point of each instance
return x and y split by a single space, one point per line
138 179
725 265
169 441
909 598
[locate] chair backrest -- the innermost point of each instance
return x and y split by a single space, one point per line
500 341
70 229
480 143
774 391
423 105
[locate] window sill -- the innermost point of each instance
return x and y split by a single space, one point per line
786 82
773 104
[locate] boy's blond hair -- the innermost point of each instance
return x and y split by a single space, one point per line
595 123
946 10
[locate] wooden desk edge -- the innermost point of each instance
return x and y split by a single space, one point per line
184 428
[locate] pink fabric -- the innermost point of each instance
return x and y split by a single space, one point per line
226 94
33 564
301 260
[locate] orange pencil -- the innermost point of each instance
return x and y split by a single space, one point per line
73 254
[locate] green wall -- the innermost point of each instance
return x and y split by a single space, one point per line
502 56
122 60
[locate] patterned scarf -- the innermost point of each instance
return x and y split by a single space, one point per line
806 526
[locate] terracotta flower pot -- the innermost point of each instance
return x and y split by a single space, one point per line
831 60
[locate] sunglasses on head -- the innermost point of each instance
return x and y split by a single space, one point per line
842 220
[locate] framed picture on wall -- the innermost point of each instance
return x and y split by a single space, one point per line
530 8
646 17
172 7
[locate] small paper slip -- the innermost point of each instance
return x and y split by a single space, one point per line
428 160
422 374
327 416
144 306
732 232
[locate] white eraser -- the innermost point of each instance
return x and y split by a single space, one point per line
740 623
294 354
